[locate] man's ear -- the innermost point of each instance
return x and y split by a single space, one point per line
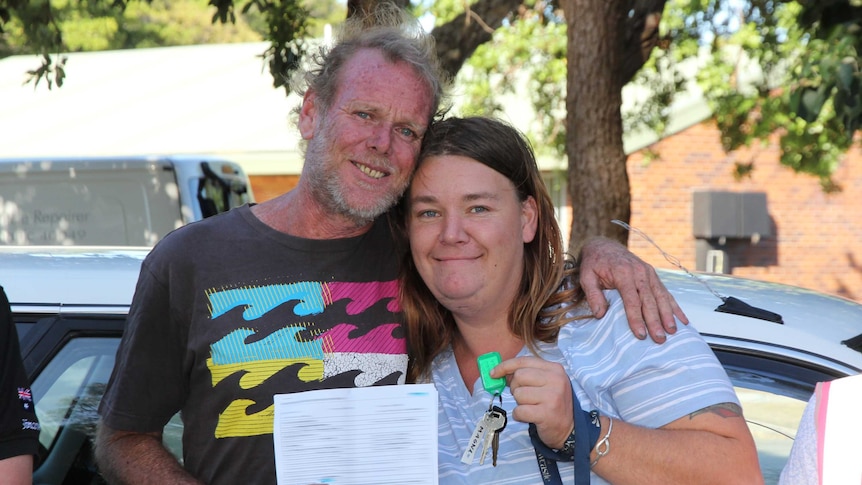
308 114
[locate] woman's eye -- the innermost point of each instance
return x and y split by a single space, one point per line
479 209
426 214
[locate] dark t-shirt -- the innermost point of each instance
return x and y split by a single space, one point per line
228 312
19 428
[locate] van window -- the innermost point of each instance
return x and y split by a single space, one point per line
220 192
84 204
107 202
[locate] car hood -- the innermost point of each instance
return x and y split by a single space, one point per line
74 275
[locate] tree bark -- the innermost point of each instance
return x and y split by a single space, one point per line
598 181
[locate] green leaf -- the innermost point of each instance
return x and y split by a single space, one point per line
846 74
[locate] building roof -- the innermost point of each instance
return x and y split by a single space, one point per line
202 99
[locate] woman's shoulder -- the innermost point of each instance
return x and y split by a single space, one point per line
611 332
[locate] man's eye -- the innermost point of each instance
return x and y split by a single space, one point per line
408 132
479 208
363 115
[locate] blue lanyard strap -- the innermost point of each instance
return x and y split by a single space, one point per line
548 458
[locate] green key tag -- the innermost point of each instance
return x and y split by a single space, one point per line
487 362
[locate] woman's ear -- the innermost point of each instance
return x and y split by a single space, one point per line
529 219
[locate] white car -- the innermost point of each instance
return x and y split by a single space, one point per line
70 305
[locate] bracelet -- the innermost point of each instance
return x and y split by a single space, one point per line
568 448
603 447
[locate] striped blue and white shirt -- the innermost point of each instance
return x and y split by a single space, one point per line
637 381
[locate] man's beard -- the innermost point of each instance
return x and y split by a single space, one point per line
328 190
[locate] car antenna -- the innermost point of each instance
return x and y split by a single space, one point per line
730 304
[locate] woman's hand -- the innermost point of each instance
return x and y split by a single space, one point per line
544 396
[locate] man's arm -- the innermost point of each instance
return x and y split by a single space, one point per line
17 470
649 307
139 458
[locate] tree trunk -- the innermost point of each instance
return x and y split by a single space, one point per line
598 182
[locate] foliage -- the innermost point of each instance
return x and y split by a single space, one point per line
47 28
788 69
531 42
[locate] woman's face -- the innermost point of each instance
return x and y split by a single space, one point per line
467 231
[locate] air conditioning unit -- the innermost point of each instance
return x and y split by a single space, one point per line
715 261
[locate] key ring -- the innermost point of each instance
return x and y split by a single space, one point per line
495 395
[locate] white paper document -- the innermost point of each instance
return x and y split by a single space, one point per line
363 436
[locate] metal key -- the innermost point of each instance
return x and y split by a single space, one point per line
495 421
495 444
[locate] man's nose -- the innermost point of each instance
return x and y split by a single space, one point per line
381 138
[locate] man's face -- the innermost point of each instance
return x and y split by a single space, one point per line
362 150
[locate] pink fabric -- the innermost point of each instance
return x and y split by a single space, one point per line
822 393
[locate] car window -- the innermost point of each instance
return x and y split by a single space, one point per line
67 393
772 419
773 393
71 385
219 193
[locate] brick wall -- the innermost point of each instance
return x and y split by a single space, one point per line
267 187
816 237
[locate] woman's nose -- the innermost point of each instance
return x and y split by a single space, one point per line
453 230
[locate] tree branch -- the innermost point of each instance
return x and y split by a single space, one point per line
459 38
641 35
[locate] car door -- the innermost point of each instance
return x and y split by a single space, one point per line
69 359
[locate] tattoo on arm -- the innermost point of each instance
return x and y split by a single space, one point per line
725 410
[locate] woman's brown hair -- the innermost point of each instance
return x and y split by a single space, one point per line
538 310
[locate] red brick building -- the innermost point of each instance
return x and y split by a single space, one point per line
815 237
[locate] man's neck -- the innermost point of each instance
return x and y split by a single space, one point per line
300 216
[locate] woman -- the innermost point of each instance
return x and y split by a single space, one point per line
485 271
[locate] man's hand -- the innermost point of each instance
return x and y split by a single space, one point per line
544 396
607 264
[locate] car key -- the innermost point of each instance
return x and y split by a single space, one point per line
495 443
475 439
495 421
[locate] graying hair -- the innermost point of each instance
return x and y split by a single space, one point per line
392 30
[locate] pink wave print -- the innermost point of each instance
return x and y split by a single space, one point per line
363 295
377 341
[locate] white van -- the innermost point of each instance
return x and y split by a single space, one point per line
119 201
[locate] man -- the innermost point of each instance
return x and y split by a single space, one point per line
19 428
297 293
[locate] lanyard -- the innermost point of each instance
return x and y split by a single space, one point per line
547 466
547 458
